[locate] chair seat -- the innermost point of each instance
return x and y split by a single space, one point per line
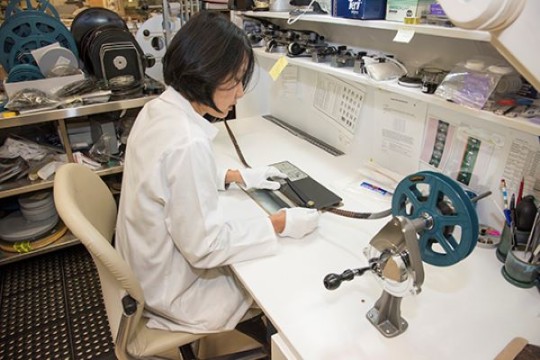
148 342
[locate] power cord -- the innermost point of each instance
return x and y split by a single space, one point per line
298 13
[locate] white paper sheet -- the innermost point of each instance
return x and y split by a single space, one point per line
523 162
399 131
340 101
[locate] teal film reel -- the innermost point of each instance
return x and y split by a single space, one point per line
29 30
24 72
452 230
43 6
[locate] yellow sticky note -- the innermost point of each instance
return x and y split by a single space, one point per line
278 67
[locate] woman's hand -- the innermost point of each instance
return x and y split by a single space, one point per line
257 178
295 222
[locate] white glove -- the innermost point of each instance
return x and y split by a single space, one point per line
257 178
299 222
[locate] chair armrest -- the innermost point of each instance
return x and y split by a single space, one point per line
126 323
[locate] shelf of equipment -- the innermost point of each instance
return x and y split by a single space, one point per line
23 186
432 30
39 117
518 123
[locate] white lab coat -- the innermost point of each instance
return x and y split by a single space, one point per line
171 229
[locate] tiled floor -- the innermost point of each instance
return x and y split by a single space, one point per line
51 308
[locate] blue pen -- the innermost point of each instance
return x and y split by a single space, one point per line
507 212
375 188
504 193
508 216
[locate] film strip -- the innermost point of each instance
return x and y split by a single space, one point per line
469 160
440 142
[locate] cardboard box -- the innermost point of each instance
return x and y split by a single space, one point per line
49 85
359 9
399 10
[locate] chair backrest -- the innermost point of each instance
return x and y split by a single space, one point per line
88 209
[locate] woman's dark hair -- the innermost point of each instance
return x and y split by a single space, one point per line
206 52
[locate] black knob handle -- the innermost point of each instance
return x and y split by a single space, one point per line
333 281
149 60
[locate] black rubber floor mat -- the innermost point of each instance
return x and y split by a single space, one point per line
51 307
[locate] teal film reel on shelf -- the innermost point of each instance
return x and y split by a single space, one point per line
29 30
453 227
24 72
43 6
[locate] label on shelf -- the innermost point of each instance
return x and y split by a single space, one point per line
278 67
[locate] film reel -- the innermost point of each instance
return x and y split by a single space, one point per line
434 220
24 72
109 51
151 39
57 61
92 18
43 6
29 30
453 230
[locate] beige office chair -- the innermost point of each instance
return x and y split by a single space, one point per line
88 209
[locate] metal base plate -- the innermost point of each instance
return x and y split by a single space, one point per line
386 315
386 327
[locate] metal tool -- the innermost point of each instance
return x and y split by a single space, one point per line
434 220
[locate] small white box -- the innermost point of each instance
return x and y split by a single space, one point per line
49 85
399 10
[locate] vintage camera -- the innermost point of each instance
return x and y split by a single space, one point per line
324 54
254 32
342 58
304 43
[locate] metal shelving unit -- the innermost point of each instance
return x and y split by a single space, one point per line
63 114
65 241
23 186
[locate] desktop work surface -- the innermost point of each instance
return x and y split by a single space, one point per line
464 311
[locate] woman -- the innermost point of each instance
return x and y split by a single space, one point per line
170 228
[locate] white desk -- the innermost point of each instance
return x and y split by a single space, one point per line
465 311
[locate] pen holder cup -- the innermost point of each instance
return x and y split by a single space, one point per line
506 244
519 272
